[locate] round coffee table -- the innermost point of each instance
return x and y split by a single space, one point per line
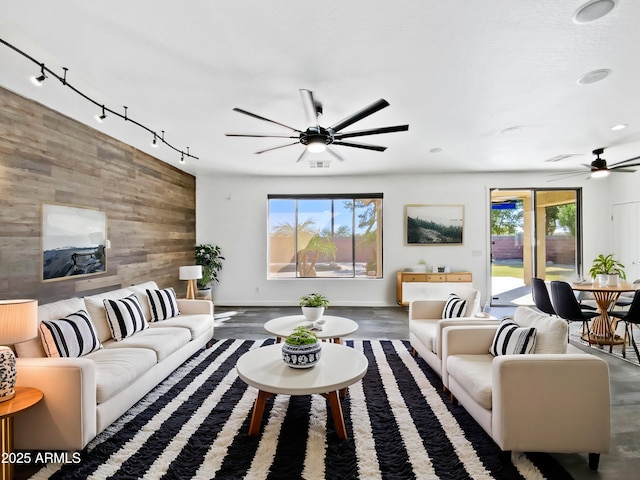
334 329
339 366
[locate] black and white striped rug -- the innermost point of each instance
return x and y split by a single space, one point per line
400 426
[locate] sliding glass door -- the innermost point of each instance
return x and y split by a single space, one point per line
534 233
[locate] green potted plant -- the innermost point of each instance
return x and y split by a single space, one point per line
607 270
313 306
301 349
210 257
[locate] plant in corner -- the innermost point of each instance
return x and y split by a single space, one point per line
606 265
313 306
301 349
210 257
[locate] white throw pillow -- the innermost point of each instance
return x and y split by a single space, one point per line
72 336
454 307
551 331
163 304
125 317
512 340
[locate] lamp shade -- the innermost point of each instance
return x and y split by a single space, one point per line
191 272
18 321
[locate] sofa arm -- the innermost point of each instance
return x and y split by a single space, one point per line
194 307
459 322
429 309
465 340
551 403
65 419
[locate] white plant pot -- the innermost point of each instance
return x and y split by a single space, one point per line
612 280
602 279
312 314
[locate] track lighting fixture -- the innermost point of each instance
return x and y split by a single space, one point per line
101 117
154 143
38 80
63 79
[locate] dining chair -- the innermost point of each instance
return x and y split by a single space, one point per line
630 317
625 299
567 307
540 295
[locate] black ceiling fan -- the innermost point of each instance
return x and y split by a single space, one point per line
317 138
598 168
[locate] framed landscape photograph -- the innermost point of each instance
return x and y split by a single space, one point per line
434 224
74 242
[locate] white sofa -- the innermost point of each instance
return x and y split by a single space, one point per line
554 400
426 323
84 395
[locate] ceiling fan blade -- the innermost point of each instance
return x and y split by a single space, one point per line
361 145
310 109
276 148
259 135
622 170
333 152
239 110
359 115
372 131
625 162
302 155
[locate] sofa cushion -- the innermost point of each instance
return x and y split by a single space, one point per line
551 331
454 307
97 313
163 304
72 336
162 341
141 292
196 324
117 368
48 311
512 340
125 317
426 331
474 374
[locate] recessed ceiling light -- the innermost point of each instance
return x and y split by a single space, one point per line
620 126
593 10
594 76
435 150
510 130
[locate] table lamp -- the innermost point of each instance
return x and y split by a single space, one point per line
191 273
18 323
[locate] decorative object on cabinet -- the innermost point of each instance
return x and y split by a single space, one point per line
428 286
18 323
74 242
434 224
191 273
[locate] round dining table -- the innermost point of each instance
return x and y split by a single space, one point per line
602 330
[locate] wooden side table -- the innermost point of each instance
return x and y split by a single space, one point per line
26 397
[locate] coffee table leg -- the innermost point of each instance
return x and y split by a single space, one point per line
258 410
336 411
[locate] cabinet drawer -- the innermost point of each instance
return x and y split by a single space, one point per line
436 277
458 277
414 277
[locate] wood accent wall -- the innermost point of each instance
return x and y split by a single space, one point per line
46 157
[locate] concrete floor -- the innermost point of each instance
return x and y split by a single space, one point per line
623 461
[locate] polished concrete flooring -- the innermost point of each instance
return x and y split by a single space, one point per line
623 461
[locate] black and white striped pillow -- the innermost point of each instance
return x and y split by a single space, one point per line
454 307
513 340
163 304
125 317
72 336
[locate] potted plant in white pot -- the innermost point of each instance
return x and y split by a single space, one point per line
301 349
607 270
313 306
210 257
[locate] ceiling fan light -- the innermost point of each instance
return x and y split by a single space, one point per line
317 147
604 172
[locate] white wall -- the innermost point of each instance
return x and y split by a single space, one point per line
232 212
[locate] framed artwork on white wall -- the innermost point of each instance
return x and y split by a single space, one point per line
434 224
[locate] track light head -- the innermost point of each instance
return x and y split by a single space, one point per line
182 157
154 143
38 80
101 117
